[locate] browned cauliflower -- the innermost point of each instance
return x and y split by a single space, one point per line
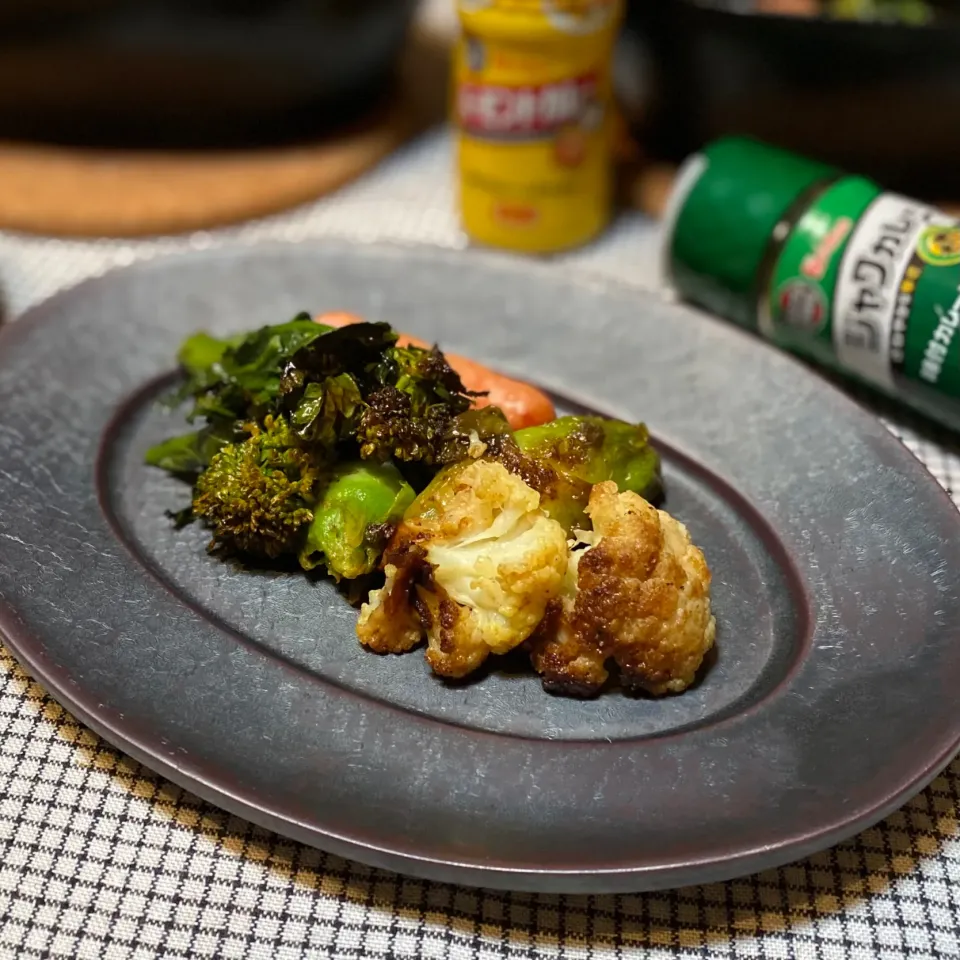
389 621
474 565
638 593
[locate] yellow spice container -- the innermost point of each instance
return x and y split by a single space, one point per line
533 108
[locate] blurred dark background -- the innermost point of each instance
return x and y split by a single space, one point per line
875 95
872 87
192 73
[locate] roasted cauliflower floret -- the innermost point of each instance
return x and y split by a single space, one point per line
388 623
638 593
478 561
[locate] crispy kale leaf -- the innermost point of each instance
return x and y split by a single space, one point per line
231 382
189 454
239 378
349 392
328 411
402 402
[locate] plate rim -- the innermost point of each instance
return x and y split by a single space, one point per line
395 859
614 881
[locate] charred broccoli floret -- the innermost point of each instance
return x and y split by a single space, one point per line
425 377
390 427
257 496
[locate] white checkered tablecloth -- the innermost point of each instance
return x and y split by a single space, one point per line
101 859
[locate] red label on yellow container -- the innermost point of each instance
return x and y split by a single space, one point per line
491 112
533 108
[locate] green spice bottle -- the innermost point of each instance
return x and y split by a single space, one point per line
824 264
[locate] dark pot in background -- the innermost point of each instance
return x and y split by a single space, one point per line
874 98
192 73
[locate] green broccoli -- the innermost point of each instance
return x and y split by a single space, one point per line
258 496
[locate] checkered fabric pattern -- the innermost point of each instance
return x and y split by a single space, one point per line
101 859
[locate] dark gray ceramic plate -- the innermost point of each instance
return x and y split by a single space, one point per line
831 700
